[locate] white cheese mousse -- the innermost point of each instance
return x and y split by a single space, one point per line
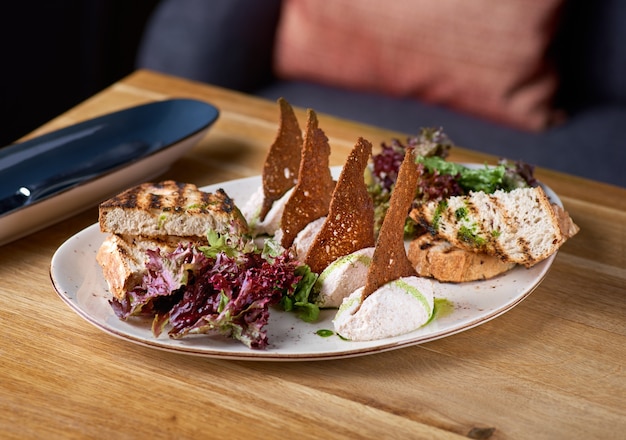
342 277
398 307
305 237
271 223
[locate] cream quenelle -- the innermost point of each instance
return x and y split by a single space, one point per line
342 277
396 308
271 223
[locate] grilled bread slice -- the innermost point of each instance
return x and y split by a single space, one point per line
170 208
520 226
438 259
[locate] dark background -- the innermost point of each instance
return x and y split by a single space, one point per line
57 53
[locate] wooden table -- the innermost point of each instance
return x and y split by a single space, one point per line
552 367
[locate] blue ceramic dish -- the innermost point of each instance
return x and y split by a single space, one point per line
58 174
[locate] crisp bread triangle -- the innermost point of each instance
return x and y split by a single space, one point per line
280 171
311 196
349 225
390 260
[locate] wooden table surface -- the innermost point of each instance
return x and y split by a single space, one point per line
552 367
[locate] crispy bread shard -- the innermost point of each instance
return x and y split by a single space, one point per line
520 226
170 208
349 225
390 261
438 259
280 171
311 196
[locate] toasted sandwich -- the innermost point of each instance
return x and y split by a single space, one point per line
159 216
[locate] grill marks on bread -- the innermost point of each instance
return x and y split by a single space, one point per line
520 226
171 196
453 222
170 208
158 216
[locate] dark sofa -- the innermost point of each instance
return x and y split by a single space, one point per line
230 43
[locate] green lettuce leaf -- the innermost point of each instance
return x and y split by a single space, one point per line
486 179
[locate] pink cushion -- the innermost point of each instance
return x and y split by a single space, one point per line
485 57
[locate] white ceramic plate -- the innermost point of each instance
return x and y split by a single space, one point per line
78 280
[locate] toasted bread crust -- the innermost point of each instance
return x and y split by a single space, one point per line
170 208
442 261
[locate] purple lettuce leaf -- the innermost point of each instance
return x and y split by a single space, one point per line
164 276
233 297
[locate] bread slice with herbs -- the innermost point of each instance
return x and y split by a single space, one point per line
521 226
170 208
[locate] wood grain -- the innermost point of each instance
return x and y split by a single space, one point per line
553 367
